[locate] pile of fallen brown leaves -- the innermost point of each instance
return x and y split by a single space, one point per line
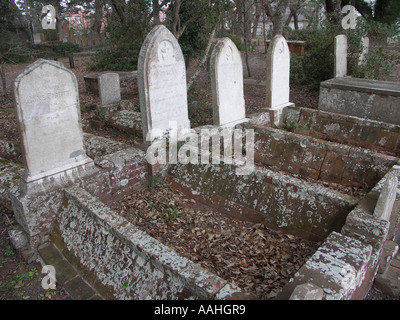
259 260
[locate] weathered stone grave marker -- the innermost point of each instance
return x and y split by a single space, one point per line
364 51
49 121
278 78
162 84
109 88
340 56
227 84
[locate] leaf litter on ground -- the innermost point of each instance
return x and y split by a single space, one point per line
259 260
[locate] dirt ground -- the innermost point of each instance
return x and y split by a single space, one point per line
22 281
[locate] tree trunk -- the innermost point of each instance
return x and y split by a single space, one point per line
203 59
296 21
277 15
175 18
3 79
334 10
264 34
246 37
256 20
118 7
29 22
156 12
98 16
289 18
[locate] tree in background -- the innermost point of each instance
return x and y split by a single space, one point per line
383 11
128 22
317 63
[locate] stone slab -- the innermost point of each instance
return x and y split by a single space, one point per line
390 88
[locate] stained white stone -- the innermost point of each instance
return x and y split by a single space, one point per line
48 114
384 206
340 56
307 291
109 88
364 51
162 84
227 84
278 78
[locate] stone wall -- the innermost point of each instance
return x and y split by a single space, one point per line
275 199
122 262
370 99
319 159
120 170
345 266
344 129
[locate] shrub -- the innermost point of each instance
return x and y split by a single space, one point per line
237 40
65 48
317 64
125 38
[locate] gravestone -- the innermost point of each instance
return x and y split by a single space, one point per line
48 114
65 30
340 56
278 79
37 38
364 51
84 40
227 84
162 84
71 35
109 88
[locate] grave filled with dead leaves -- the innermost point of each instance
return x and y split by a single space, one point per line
259 260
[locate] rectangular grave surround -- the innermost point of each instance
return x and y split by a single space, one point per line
364 133
363 98
319 159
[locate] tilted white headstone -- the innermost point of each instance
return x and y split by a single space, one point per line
109 88
278 77
227 84
162 84
340 56
364 51
49 120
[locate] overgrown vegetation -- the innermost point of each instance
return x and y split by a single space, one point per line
317 64
126 33
12 48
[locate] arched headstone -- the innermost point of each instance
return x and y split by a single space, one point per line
162 84
278 78
49 120
227 84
